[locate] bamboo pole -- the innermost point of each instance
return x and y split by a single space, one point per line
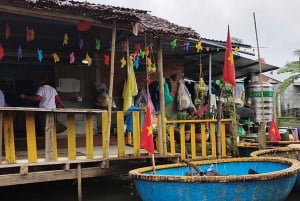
261 132
79 182
161 95
111 81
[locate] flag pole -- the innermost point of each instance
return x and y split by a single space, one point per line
261 132
147 92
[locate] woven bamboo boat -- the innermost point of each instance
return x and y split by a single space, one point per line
291 151
233 180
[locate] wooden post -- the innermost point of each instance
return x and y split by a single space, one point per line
111 81
79 180
161 99
49 135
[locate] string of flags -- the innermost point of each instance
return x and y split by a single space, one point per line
136 57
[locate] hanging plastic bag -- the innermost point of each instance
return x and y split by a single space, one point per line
183 97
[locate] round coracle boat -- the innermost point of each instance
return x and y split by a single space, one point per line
239 179
292 151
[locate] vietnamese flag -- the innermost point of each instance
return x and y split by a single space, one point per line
229 69
147 134
273 131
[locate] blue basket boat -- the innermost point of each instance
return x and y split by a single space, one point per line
291 151
238 179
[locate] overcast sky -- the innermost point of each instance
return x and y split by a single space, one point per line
277 21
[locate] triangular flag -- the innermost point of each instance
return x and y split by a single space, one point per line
229 69
147 134
273 131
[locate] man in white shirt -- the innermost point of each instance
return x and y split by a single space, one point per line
47 97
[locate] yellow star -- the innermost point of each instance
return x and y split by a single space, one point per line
149 128
123 62
230 58
199 46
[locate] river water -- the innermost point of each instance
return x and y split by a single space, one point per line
100 189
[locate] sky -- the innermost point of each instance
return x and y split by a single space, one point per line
277 22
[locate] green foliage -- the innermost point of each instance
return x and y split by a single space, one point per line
294 69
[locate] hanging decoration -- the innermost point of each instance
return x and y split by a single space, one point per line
20 53
55 57
80 42
84 26
124 46
207 49
98 44
237 49
148 64
106 59
186 46
66 38
123 62
29 34
137 48
147 51
1 52
199 46
40 54
136 61
88 59
72 57
7 31
142 54
174 44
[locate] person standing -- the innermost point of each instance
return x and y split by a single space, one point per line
48 98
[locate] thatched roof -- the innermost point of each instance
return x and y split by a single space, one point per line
146 23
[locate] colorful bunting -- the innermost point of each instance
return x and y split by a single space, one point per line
88 59
186 46
40 54
98 44
66 38
137 48
174 44
20 53
142 54
199 46
29 34
7 31
106 59
136 63
123 62
147 51
55 57
72 58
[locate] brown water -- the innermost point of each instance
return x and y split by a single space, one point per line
100 189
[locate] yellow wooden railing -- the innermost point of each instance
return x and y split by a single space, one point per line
170 147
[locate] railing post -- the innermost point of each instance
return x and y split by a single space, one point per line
49 136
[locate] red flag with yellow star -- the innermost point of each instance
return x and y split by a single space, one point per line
229 69
273 131
147 134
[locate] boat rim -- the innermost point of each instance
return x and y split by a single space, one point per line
137 174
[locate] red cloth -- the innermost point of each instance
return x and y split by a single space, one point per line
229 69
147 134
273 131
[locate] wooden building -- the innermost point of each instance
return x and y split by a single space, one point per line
81 46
